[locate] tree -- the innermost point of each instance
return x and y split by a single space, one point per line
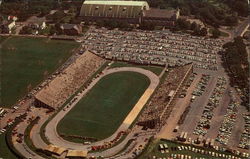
52 30
26 30
193 26
203 31
231 20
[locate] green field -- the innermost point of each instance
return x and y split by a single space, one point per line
5 153
106 105
155 69
26 62
2 38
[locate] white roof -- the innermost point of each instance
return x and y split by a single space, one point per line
126 3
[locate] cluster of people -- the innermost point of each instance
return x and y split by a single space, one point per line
160 104
214 100
57 91
154 47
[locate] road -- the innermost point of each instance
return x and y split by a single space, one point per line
240 29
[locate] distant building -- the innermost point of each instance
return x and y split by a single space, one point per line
71 29
161 17
133 12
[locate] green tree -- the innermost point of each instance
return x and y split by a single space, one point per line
203 31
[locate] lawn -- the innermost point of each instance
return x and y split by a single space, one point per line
5 153
106 105
26 62
222 33
155 69
2 38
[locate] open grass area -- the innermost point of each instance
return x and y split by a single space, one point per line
155 69
27 61
153 150
222 33
2 38
5 153
106 105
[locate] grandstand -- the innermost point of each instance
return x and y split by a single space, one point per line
158 110
68 81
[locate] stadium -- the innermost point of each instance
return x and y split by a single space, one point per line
117 93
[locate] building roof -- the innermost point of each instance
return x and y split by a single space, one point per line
116 9
121 3
55 149
159 13
77 153
70 26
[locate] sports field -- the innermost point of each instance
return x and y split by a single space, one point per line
26 62
106 105
5 153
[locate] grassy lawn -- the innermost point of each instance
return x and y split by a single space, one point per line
152 150
5 153
27 61
223 34
155 69
2 38
106 105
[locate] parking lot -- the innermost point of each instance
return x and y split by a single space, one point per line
154 47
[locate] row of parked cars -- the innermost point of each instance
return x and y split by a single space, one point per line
245 136
228 123
201 86
213 101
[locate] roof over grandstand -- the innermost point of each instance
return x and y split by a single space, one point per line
77 153
123 9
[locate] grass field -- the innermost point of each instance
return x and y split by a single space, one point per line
155 69
26 62
2 38
5 153
106 105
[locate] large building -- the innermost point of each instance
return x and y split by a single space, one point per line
133 12
130 11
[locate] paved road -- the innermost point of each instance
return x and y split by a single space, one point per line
55 139
239 30
22 147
